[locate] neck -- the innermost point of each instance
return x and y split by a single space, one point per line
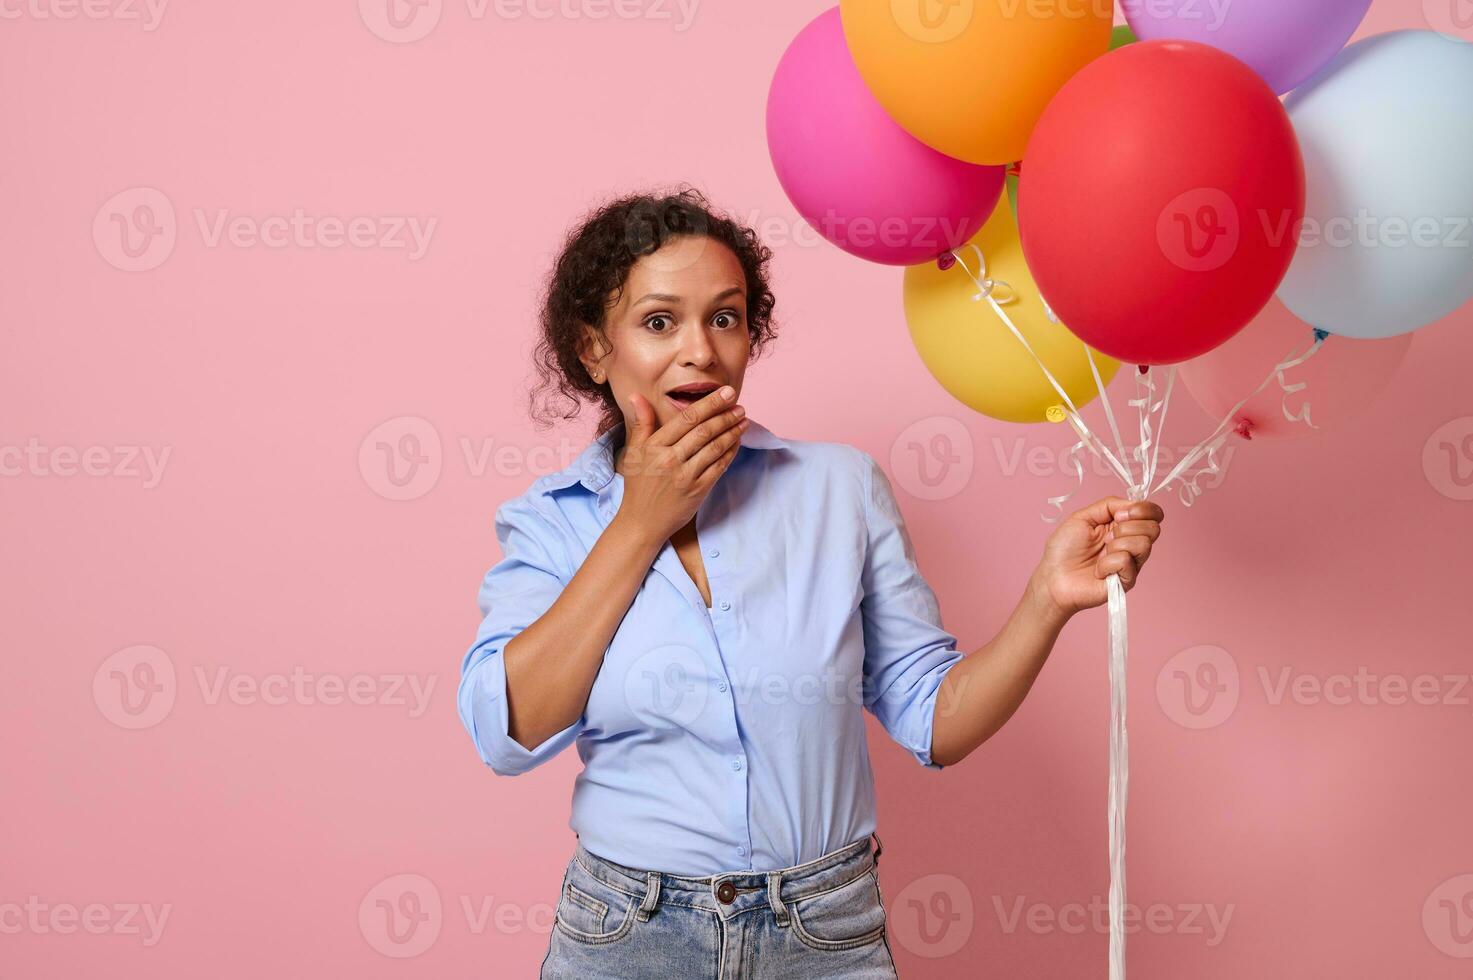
618 452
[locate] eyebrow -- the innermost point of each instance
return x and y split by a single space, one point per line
667 298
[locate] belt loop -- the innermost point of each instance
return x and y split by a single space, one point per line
775 898
651 896
878 847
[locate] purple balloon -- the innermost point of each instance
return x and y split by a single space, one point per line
1285 41
857 177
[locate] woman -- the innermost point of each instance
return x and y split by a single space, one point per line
707 608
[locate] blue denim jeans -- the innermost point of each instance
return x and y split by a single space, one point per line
825 918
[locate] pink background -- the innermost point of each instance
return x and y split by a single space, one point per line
268 823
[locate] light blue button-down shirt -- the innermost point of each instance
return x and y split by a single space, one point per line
728 737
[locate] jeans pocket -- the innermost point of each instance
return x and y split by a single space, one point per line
592 911
845 917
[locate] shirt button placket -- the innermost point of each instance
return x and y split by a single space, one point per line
738 764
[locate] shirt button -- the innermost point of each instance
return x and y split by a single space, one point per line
714 552
736 765
741 850
725 605
721 687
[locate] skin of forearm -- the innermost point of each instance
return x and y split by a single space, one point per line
551 665
983 689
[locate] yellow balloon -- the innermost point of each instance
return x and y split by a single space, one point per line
971 77
973 354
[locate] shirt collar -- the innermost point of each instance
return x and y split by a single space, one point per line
594 467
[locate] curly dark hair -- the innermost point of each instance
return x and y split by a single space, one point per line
589 276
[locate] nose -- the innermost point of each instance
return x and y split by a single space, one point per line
696 348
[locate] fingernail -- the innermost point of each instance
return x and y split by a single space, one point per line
728 392
739 411
1121 515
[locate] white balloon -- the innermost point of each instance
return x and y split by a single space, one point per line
1387 135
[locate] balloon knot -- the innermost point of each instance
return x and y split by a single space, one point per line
1143 368
1244 429
945 261
1320 334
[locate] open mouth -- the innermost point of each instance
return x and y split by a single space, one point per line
690 394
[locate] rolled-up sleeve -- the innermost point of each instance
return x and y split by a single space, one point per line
514 593
906 651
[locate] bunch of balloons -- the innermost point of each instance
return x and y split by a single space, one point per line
1167 206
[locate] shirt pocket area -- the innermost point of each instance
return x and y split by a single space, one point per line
845 917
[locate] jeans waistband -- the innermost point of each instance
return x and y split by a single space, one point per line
748 889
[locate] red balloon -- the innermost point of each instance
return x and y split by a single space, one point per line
1160 200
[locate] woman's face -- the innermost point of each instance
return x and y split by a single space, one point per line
681 319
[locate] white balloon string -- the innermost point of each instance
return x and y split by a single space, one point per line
1071 459
985 288
1148 453
1142 404
1109 412
1189 490
1119 774
1161 426
1214 441
1303 415
1115 591
1149 448
1119 760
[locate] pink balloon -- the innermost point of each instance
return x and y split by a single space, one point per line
1343 377
859 179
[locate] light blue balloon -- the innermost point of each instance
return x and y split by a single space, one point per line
1387 135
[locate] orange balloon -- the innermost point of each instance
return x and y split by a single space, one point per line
971 77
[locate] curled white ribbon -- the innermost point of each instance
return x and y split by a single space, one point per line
1213 442
985 292
1303 414
1161 422
1109 413
1071 458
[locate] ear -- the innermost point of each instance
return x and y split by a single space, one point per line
591 351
